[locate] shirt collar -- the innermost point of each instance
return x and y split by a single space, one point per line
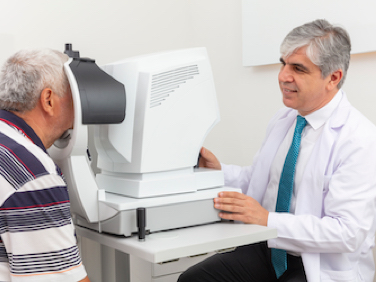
21 126
319 117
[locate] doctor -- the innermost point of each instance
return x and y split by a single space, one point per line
327 232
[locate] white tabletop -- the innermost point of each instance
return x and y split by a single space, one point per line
174 244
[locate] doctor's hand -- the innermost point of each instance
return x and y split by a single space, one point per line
208 159
241 208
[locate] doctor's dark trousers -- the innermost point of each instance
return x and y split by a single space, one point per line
251 263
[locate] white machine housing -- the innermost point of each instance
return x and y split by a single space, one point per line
171 107
155 146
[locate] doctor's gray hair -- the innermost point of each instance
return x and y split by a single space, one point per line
328 46
25 74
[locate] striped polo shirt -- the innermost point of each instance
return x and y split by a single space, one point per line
37 241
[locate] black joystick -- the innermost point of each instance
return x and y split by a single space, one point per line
141 223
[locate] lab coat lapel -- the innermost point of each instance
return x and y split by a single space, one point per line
310 194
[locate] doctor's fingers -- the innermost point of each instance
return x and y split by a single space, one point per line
234 198
247 211
228 204
251 216
208 159
245 207
237 217
239 214
229 207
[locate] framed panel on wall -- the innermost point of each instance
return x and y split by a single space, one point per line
265 23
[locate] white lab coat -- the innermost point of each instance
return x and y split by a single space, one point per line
334 223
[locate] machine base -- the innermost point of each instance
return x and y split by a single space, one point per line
162 213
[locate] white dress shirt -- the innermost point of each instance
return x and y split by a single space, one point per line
310 134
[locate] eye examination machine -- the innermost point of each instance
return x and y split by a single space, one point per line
130 163
144 119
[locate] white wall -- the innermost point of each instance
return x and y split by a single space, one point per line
258 13
115 29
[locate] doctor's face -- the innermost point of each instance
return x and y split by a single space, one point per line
301 83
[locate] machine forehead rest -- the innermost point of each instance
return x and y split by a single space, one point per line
102 97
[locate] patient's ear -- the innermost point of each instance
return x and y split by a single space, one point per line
47 101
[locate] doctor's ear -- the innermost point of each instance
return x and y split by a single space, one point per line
335 78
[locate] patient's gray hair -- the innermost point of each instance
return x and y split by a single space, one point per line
328 46
25 74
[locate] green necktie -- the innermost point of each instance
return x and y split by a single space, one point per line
286 184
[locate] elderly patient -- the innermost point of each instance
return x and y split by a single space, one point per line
313 179
36 231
